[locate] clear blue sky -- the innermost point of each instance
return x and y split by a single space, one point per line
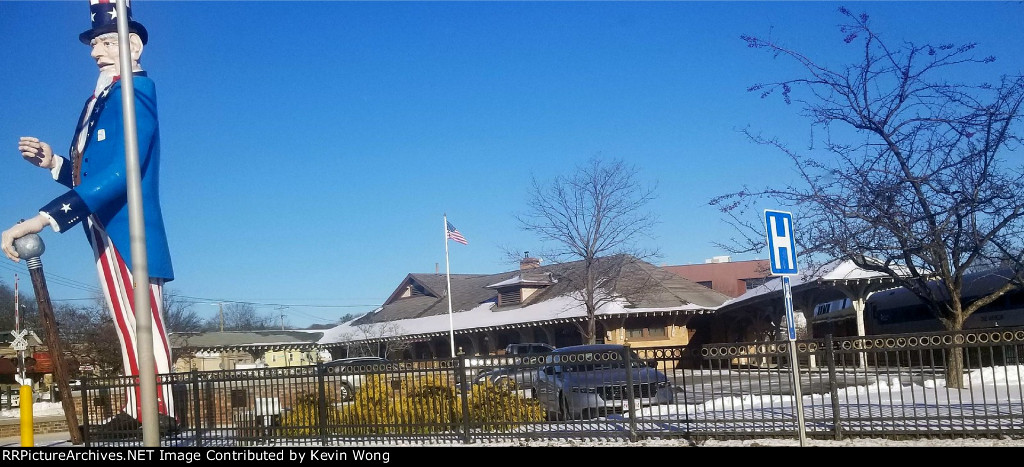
310 149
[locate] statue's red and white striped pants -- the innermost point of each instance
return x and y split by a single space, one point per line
117 284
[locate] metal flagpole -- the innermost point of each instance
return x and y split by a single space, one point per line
137 229
448 275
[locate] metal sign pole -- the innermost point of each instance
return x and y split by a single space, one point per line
797 395
782 255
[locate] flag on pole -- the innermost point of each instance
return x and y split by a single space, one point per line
454 234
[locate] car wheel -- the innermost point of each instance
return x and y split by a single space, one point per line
345 392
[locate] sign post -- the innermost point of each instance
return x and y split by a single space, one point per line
782 253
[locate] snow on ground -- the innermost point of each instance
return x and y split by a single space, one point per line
39 409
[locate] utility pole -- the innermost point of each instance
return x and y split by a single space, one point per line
220 306
281 309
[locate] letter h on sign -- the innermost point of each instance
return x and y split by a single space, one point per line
781 242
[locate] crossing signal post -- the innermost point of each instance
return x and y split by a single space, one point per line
782 255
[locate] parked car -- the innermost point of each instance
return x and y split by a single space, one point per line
586 381
517 369
351 373
528 348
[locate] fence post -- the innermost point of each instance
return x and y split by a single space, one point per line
626 354
833 387
85 410
197 422
321 403
463 384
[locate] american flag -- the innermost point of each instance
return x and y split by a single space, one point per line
454 234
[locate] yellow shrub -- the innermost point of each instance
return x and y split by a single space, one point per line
429 404
497 407
303 418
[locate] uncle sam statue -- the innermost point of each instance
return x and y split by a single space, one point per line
97 197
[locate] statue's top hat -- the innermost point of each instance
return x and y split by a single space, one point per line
104 20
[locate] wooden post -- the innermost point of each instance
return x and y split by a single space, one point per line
30 247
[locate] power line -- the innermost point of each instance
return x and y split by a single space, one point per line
251 302
55 279
73 284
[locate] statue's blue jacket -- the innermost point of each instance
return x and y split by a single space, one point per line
103 189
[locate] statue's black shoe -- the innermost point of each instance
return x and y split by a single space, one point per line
124 426
168 425
120 426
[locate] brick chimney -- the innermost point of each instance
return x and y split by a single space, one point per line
528 263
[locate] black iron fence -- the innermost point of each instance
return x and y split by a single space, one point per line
897 385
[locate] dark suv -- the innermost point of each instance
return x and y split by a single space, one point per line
594 380
528 348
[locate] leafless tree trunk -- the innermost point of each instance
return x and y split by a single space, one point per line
89 335
375 339
179 315
242 317
598 211
911 173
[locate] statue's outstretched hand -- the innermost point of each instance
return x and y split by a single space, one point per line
36 152
21 229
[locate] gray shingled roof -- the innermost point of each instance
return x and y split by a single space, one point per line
242 338
644 285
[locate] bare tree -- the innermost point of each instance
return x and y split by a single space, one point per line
375 339
242 317
89 337
344 319
179 315
914 175
597 211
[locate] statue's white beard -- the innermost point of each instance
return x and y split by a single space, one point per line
106 77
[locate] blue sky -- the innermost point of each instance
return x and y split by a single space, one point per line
310 149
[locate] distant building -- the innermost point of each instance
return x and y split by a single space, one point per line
230 350
646 306
720 273
650 307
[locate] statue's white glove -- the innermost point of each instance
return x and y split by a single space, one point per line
21 229
36 152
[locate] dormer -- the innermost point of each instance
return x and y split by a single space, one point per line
518 289
414 285
413 289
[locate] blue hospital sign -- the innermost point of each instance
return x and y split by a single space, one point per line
781 242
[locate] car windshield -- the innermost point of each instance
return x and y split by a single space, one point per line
356 361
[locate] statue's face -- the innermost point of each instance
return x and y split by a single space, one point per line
105 52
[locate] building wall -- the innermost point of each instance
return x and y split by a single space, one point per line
211 361
725 277
637 332
282 358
